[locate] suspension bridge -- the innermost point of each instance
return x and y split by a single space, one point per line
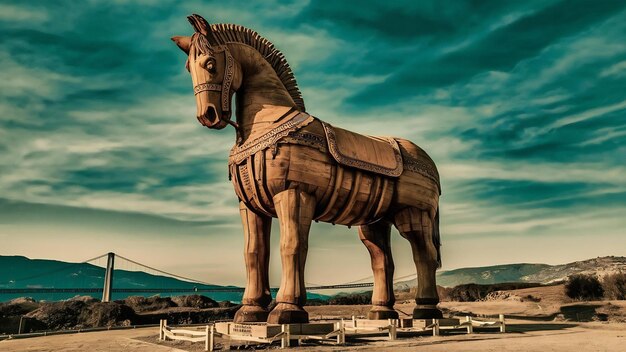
114 263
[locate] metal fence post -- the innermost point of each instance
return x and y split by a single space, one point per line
435 327
212 338
470 327
284 342
19 329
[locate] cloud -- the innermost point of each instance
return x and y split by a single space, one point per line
500 50
12 13
520 104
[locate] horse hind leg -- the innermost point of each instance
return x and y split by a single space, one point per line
377 239
418 227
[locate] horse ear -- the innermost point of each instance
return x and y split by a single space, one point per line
201 25
183 42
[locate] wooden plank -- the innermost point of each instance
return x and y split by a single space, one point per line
311 329
470 327
260 175
187 332
368 323
222 327
373 198
425 323
284 341
208 343
255 196
385 197
335 193
345 213
184 338
436 327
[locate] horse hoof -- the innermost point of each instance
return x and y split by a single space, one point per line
427 313
382 313
250 314
285 313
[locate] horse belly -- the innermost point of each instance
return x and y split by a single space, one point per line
268 172
356 197
250 181
344 195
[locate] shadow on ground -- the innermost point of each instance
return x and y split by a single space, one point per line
522 328
583 312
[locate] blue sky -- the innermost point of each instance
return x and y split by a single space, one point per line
521 104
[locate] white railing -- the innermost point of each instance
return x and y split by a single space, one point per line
329 332
198 335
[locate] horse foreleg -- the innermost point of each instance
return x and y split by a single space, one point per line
295 212
417 227
257 295
377 238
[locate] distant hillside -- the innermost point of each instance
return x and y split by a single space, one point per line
22 272
489 274
541 273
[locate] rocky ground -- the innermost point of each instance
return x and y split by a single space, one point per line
522 335
86 312
538 318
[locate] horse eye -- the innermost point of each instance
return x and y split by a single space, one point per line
210 65
207 63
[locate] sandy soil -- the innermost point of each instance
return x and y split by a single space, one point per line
101 341
552 323
522 336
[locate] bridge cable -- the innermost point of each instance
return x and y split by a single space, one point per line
165 272
69 265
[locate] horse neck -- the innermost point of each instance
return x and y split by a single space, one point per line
262 97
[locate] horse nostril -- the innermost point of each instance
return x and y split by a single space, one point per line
211 114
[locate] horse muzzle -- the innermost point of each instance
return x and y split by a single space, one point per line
211 118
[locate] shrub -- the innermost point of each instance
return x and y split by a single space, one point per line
316 302
194 301
351 298
531 298
615 286
477 292
583 287
147 304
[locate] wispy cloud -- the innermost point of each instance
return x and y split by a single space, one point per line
521 105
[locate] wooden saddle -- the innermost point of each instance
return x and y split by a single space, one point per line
380 155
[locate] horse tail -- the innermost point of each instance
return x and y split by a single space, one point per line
437 237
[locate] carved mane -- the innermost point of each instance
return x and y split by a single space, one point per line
232 33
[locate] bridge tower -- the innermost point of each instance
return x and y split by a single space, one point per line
108 278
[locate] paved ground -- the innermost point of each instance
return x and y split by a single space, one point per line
550 325
523 336
101 341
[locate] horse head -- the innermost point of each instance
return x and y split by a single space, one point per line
215 74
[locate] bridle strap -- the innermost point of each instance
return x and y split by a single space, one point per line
229 74
224 88
203 87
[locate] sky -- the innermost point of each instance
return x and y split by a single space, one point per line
520 103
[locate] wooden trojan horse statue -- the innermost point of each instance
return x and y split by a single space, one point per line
293 166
